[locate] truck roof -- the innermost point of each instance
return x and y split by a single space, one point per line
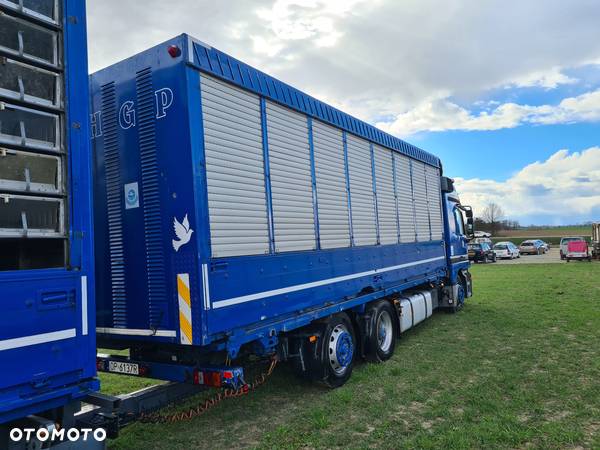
217 63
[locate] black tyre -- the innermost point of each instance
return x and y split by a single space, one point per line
494 259
332 359
383 331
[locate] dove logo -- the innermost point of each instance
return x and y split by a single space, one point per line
183 232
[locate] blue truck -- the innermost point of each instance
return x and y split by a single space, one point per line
237 216
47 325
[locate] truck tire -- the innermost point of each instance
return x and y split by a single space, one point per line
383 326
460 300
332 358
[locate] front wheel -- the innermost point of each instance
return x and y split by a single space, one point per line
381 340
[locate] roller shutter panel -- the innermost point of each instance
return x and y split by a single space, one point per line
332 194
420 200
361 191
291 179
234 170
404 196
386 200
435 202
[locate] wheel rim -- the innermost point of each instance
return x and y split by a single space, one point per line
341 349
385 331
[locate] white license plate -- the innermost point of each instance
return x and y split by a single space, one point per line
123 367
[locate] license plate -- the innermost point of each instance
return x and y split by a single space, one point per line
123 367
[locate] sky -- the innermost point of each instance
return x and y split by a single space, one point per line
506 93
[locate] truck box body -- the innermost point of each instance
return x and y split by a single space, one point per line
232 207
47 326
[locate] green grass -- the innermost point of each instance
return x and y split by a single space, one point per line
519 367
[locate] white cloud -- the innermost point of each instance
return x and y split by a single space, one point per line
374 58
442 114
564 189
548 80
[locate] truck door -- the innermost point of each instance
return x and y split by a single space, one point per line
457 239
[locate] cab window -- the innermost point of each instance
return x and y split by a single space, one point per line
460 225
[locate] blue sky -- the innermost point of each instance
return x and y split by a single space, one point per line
506 93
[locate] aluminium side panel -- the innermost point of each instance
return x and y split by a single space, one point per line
235 170
404 197
386 199
291 179
420 201
434 200
330 168
364 225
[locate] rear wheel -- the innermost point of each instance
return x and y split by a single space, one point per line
381 341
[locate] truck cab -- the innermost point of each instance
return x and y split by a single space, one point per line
458 232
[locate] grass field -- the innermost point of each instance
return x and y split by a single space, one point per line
518 368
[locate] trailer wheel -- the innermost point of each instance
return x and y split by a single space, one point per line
381 341
338 350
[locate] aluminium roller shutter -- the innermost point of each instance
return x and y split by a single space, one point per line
420 201
435 202
291 179
332 193
234 170
364 226
404 196
386 200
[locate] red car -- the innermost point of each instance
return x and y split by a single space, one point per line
578 250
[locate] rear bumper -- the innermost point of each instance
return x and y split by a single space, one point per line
577 256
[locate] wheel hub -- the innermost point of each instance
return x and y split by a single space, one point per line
384 331
341 349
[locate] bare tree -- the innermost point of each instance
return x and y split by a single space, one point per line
493 215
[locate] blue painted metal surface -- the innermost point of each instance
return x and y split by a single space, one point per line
235 300
47 351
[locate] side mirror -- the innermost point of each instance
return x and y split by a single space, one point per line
470 227
470 231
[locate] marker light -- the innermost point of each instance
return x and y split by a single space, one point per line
174 51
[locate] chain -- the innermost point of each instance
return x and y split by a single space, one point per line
209 403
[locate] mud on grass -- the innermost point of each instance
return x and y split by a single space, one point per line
518 368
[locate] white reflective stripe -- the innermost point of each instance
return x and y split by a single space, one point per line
36 339
205 287
300 287
84 306
136 332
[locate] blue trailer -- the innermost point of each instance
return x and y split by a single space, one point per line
47 325
237 215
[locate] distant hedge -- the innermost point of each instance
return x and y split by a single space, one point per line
552 240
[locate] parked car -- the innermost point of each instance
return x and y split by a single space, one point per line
482 240
578 250
545 245
481 252
506 250
480 234
564 243
532 247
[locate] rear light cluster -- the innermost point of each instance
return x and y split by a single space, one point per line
230 378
